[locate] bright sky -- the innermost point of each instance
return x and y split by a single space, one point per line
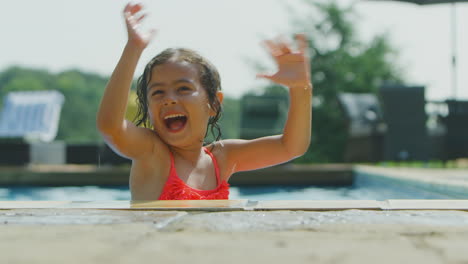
89 35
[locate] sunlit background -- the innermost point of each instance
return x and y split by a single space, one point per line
89 36
358 49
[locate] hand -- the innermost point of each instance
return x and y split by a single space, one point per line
133 17
293 66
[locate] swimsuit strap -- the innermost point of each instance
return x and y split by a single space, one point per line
172 161
213 159
215 164
176 189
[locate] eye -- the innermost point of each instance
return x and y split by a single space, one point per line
184 89
156 92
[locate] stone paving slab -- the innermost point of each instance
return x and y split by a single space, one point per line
318 205
186 205
252 221
86 217
192 205
132 243
427 204
350 236
233 220
243 205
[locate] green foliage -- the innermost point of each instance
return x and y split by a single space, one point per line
82 92
230 120
340 63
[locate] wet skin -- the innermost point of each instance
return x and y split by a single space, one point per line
174 89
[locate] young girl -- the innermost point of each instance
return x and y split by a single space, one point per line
179 97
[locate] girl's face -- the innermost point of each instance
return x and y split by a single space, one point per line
178 104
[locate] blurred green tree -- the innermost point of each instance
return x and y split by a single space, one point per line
82 93
230 119
340 63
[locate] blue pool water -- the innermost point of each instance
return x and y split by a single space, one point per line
364 188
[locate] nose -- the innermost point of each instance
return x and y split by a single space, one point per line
170 100
166 103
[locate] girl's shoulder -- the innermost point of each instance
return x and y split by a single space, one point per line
227 153
224 147
221 150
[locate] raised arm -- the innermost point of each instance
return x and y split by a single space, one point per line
294 73
121 134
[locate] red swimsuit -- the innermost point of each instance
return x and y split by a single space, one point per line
176 189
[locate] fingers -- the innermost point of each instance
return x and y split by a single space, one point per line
133 8
283 45
135 20
127 8
280 46
277 47
134 14
141 17
293 63
302 43
265 76
131 12
272 47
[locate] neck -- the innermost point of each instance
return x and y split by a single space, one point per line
191 154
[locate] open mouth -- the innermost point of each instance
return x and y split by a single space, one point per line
175 122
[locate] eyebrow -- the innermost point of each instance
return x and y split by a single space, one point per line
183 80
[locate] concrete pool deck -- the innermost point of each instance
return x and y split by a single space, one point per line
245 231
242 205
323 235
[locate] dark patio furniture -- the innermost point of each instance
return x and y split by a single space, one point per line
404 113
365 127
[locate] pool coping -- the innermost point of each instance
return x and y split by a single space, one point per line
243 205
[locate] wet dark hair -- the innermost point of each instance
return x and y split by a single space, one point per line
209 79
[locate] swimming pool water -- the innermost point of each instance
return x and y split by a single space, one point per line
364 188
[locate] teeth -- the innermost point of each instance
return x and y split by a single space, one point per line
173 116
